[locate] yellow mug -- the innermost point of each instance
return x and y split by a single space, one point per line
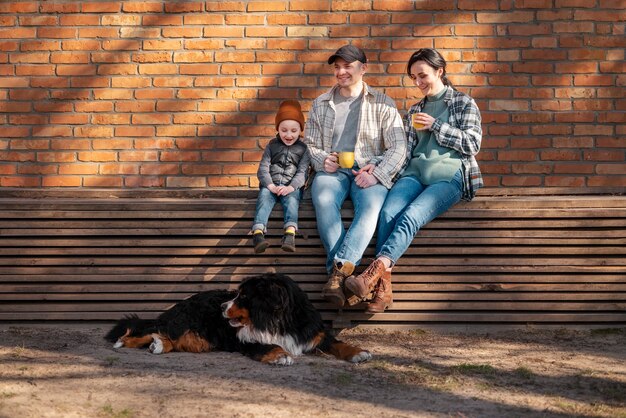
415 123
346 159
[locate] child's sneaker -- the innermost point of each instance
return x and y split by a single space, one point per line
288 243
259 242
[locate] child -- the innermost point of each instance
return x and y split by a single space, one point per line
281 174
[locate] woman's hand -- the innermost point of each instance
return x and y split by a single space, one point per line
364 177
331 163
423 118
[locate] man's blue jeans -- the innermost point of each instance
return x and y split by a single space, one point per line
328 192
409 206
265 204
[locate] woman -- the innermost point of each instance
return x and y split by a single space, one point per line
444 135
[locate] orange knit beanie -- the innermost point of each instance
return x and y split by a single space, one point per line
290 110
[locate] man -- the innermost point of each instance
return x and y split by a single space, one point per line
351 117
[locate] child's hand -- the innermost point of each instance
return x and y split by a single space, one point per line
285 190
331 163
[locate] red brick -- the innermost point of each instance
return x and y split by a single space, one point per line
604 181
138 156
176 131
547 80
521 181
135 106
22 33
531 168
135 131
19 7
77 169
565 181
99 181
520 155
201 169
37 169
225 6
160 169
70 144
29 94
560 155
118 168
351 5
573 168
154 94
240 169
575 117
601 130
609 169
530 143
151 119
51 131
82 45
153 143
102 7
20 181
135 182
186 182
556 105
223 181
326 19
184 7
17 156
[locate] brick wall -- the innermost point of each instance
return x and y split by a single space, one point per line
172 94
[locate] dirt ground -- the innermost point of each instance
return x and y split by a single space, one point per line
70 371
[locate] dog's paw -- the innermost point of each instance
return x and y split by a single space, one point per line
156 347
118 344
282 360
361 357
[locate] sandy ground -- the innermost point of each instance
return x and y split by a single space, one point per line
70 371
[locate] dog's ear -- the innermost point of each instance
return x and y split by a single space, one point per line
281 297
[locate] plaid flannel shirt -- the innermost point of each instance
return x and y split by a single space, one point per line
381 139
462 133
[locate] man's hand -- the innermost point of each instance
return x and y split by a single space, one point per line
331 163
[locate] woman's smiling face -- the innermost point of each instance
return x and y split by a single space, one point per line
426 78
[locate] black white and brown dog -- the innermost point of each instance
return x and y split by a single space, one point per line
269 318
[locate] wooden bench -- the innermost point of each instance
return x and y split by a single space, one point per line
540 259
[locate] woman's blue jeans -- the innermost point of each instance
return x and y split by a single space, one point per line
328 192
265 204
409 206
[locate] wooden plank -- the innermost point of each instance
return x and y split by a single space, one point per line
111 293
400 275
483 250
354 318
447 261
140 288
398 307
316 268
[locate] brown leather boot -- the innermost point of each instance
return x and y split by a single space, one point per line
363 284
333 289
383 296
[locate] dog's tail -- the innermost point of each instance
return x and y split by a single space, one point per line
131 325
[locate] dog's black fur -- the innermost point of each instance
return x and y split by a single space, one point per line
269 318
